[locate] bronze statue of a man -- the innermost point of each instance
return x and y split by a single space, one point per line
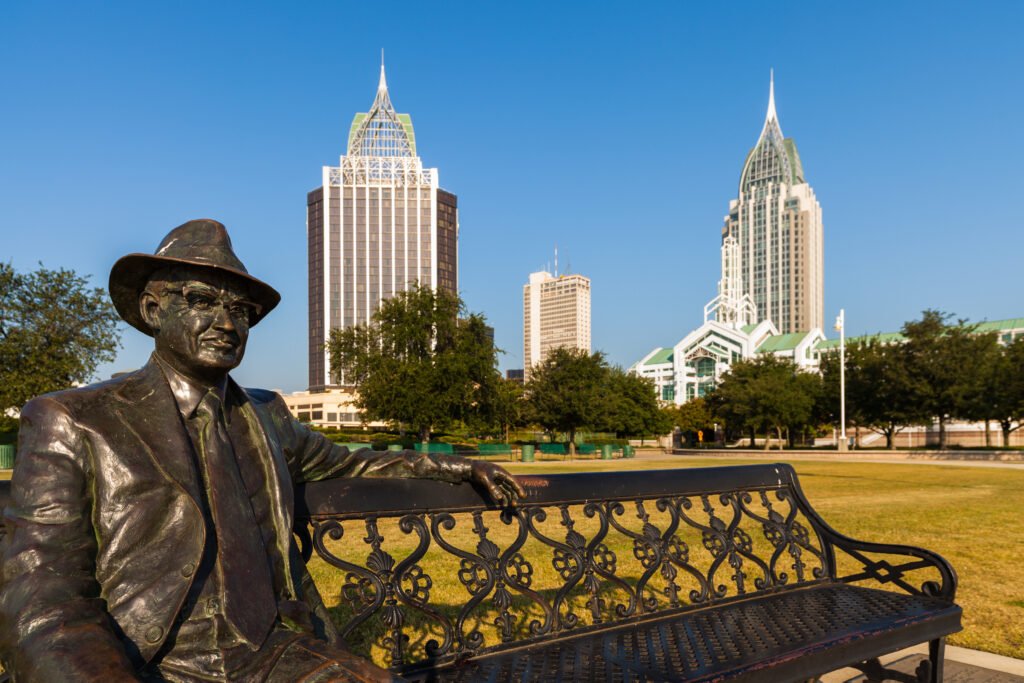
149 533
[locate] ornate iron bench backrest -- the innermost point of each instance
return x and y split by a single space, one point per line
431 573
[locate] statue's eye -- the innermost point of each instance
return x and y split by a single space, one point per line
198 301
241 310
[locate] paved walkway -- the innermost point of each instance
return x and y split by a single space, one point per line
953 459
962 666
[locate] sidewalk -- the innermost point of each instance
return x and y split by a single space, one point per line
961 666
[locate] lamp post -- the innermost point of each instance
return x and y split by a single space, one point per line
840 324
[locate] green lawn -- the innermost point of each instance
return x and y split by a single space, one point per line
972 516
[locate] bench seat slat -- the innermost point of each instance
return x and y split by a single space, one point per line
785 636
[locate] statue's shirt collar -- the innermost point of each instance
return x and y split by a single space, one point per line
187 394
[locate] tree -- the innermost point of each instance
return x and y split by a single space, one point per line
420 362
942 360
764 394
566 390
996 392
631 405
881 394
509 408
54 332
691 417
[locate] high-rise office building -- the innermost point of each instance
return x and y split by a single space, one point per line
378 223
556 312
772 245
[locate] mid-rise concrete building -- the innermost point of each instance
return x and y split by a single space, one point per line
378 223
772 241
556 313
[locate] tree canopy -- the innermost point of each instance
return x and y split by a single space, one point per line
566 391
420 362
765 394
54 332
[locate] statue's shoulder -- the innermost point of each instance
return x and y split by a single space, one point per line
80 400
262 397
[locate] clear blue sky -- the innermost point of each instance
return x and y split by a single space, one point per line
615 130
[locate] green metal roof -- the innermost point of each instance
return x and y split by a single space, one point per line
1001 325
747 329
881 337
782 342
660 357
404 119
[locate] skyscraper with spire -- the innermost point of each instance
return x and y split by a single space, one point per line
772 244
378 223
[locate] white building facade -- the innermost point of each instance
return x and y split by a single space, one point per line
556 313
378 223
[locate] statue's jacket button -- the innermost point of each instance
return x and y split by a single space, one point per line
154 634
188 570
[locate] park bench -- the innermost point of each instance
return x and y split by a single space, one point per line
705 574
489 449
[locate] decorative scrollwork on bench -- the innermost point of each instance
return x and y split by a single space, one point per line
478 580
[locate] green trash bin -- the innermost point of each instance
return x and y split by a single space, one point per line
527 452
627 451
6 456
606 452
395 447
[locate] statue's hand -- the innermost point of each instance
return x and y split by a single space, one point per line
502 486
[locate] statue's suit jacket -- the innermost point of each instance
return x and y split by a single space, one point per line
105 528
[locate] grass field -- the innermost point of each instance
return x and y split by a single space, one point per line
971 516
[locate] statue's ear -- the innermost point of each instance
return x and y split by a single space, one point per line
149 308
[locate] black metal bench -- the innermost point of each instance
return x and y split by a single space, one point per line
678 575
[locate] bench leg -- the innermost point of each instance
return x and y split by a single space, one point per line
936 655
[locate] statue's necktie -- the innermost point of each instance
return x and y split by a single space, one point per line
248 593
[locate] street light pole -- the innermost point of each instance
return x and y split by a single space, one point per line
840 325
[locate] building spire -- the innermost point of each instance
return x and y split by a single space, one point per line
770 115
383 85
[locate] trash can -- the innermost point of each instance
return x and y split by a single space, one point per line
627 451
527 452
6 456
606 452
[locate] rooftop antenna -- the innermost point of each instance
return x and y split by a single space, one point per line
556 260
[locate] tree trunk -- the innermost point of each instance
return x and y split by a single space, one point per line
988 434
856 437
767 438
425 434
942 432
890 435
782 443
1005 426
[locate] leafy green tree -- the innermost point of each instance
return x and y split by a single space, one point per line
691 417
764 394
54 332
881 394
942 361
566 391
420 362
996 391
509 409
631 405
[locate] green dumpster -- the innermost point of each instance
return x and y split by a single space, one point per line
6 456
627 451
527 452
606 452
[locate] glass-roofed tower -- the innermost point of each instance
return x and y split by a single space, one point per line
378 222
773 234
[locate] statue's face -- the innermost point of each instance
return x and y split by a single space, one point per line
200 321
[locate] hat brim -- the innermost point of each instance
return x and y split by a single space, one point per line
130 274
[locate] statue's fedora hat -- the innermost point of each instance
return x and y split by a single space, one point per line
202 244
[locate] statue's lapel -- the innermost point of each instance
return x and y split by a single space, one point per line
148 411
